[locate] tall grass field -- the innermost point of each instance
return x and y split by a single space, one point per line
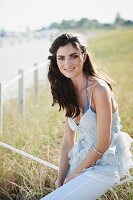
39 132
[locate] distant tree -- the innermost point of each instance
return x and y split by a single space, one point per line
66 24
84 23
119 21
95 23
128 23
106 25
54 25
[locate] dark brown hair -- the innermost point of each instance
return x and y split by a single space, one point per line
62 88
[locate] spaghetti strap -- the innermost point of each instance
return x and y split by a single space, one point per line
91 92
89 98
112 94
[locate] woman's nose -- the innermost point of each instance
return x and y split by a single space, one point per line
67 62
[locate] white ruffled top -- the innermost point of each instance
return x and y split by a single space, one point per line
116 160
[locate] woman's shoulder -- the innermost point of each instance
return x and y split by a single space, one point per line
100 89
98 84
102 93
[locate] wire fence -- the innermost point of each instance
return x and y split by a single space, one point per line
21 101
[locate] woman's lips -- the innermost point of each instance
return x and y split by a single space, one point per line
69 70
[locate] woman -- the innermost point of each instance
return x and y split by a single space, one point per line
95 154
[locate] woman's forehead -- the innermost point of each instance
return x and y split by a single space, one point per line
67 49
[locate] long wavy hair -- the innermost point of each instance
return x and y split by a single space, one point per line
62 88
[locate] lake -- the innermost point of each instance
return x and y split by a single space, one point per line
22 53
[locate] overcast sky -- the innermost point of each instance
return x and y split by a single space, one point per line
17 14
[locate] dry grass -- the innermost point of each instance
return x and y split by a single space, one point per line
40 131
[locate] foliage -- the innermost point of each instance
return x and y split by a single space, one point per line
85 23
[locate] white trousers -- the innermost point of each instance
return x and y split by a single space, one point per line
86 186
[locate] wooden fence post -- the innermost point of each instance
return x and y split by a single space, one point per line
21 91
36 82
1 109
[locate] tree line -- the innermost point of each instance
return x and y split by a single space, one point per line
89 24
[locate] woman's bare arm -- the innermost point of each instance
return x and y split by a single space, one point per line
67 144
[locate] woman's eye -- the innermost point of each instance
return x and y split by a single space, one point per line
60 58
74 56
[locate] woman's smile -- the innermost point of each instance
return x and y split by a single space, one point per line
70 69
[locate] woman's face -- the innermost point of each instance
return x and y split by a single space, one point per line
70 60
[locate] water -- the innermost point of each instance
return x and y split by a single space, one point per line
22 53
18 54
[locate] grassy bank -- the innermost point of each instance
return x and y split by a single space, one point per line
41 129
112 52
38 133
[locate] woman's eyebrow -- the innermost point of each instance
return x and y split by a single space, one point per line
69 55
73 54
61 56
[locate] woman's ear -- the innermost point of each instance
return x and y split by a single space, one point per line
84 57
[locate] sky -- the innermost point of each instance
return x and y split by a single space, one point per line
18 14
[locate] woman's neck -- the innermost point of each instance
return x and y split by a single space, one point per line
79 82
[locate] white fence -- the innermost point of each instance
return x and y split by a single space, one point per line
21 100
29 156
21 90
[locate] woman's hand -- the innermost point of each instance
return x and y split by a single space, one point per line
58 183
69 178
